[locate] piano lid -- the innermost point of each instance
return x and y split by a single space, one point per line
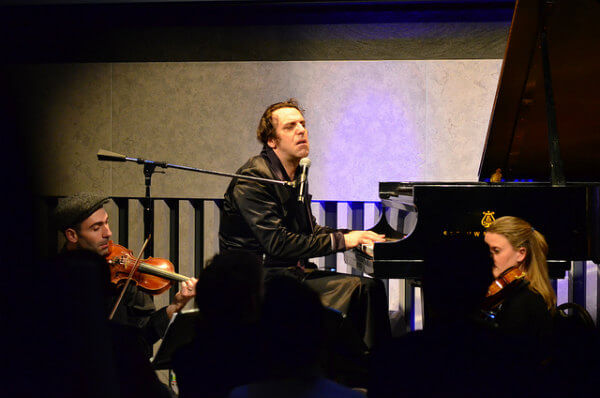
517 138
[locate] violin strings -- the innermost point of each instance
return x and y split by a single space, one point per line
157 271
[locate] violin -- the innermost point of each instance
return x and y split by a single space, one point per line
505 283
154 275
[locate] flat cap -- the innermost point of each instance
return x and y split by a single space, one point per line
74 209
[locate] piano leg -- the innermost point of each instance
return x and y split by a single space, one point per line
413 304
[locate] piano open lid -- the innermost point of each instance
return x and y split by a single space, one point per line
517 138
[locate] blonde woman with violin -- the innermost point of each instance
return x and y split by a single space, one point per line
521 299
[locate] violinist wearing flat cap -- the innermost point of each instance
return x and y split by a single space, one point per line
84 222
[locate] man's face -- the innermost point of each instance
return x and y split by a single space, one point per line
94 233
291 142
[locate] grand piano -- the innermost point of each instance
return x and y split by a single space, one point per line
543 137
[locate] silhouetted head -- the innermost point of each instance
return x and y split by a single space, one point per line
293 322
230 289
456 277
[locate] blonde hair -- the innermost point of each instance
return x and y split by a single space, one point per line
521 234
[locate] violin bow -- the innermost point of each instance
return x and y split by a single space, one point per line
133 269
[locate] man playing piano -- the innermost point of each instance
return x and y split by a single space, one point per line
272 221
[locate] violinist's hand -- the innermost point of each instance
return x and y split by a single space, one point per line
355 238
187 291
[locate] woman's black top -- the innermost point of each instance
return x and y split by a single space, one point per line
524 312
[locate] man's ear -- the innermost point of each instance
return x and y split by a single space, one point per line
71 235
272 143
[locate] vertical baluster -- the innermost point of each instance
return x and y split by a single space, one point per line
330 262
318 210
211 228
343 222
198 234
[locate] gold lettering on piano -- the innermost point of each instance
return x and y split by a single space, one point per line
488 218
475 234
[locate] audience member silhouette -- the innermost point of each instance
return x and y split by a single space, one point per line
293 338
574 364
225 352
81 353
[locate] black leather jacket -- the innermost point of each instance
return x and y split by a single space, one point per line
267 219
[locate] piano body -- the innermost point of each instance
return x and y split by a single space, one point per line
544 129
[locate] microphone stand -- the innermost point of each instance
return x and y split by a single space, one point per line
112 156
150 168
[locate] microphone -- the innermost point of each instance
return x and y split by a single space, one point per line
305 164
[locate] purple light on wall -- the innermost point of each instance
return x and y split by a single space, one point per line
375 133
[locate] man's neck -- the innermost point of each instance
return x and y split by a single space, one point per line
290 165
290 168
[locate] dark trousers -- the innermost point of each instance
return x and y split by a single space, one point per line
363 301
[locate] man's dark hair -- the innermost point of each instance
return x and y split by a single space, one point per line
266 130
